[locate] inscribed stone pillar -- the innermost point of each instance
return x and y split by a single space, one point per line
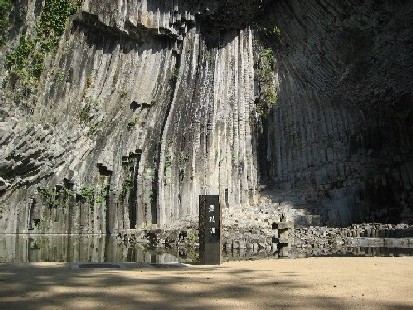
210 243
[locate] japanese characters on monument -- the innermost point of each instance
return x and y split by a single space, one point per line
210 244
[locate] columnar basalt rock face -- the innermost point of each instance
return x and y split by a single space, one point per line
144 105
213 153
134 118
337 140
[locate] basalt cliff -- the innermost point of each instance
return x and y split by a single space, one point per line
117 115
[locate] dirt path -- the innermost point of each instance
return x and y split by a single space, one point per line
313 283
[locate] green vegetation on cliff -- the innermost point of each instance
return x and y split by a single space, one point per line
26 61
5 8
265 76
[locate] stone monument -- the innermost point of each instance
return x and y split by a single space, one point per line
210 242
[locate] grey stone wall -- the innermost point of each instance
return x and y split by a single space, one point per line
337 135
134 117
144 105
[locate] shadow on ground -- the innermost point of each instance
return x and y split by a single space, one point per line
55 286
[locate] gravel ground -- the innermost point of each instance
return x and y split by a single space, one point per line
312 283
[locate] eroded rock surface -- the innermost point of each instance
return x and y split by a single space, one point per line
144 105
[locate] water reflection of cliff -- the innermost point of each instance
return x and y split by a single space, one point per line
94 248
62 248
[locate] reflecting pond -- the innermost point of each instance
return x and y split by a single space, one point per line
101 248
376 251
85 248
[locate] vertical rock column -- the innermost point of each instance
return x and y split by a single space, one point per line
207 144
